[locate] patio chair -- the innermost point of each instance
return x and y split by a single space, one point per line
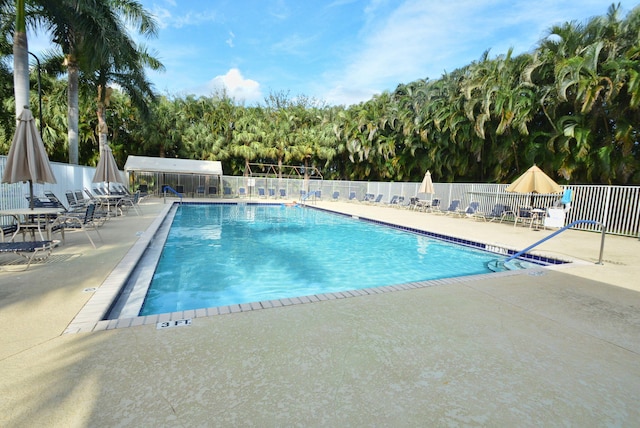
80 200
54 199
200 191
272 193
143 189
335 196
261 192
213 190
227 191
72 202
283 193
352 196
81 221
471 210
452 209
394 200
8 230
30 250
242 192
130 202
523 215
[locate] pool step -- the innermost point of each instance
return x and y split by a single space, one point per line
501 266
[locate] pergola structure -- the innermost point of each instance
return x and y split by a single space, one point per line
188 176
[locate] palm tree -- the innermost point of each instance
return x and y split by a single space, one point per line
20 59
93 39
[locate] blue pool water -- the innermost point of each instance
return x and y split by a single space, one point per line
223 254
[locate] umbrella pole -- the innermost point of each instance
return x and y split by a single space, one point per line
31 201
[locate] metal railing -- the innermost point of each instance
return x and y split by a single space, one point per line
559 231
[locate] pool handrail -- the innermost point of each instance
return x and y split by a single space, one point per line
172 190
570 225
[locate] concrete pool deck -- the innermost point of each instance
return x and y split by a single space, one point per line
560 348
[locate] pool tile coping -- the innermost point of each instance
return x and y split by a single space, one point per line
91 316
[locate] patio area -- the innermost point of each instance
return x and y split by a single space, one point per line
555 347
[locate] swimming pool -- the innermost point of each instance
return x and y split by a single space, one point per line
223 254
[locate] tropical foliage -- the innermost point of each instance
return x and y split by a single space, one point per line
571 106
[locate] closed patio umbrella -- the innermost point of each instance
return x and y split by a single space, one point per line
27 159
107 169
427 185
534 180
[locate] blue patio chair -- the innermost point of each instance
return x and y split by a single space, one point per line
81 221
213 190
471 210
352 196
283 193
261 192
335 196
242 192
378 199
452 209
200 191
227 191
272 193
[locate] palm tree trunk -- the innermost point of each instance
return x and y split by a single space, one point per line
72 111
102 126
20 60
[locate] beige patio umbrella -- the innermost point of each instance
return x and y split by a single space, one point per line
427 185
534 180
107 169
27 159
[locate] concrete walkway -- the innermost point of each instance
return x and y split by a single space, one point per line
560 347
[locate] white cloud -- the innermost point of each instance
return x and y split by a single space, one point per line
229 41
236 86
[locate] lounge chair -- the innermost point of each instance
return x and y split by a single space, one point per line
272 193
352 196
81 221
471 210
200 191
283 193
499 211
242 192
213 190
74 205
452 209
80 200
227 192
30 250
394 200
261 193
335 196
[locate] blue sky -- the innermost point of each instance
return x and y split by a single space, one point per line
340 51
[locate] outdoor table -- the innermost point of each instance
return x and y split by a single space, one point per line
41 216
110 201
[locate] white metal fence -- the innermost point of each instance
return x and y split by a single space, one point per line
618 207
